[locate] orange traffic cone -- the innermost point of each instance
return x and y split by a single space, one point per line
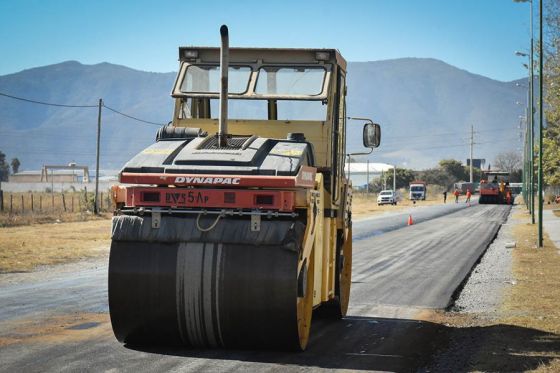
409 222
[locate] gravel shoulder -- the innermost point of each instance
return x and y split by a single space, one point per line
506 317
484 291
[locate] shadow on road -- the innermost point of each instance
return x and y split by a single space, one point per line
397 345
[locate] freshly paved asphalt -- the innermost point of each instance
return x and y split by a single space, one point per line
56 319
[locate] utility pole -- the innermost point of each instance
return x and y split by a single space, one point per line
472 142
52 188
367 180
541 114
526 157
532 132
96 205
395 178
531 116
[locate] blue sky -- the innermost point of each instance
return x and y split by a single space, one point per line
476 35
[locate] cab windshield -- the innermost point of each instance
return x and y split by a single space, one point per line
270 80
206 79
306 81
278 92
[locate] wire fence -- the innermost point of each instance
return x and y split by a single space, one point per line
26 203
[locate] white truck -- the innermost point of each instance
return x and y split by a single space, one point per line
417 190
387 197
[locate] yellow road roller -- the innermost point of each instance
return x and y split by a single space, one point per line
229 232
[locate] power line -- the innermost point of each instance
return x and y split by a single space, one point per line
80 106
457 145
131 117
446 133
44 103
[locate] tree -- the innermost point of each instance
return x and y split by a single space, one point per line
551 135
551 160
516 176
437 176
15 165
404 177
508 161
454 168
4 167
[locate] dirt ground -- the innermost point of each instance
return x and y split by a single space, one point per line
34 239
363 205
26 247
72 328
524 334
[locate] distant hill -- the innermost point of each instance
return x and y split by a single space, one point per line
412 98
416 98
39 134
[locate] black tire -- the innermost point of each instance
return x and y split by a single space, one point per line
335 309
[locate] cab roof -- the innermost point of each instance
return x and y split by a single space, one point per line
193 54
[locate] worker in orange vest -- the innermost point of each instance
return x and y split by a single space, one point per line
468 195
456 194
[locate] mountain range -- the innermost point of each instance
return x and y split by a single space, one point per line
425 106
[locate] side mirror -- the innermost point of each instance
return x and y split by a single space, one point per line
372 135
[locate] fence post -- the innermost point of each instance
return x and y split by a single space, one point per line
32 202
11 202
1 200
101 201
63 202
72 204
40 203
86 204
22 205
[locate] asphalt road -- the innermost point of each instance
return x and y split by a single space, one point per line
56 319
390 221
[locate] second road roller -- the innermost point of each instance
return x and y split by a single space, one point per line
231 232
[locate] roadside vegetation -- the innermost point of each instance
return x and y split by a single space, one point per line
17 209
551 138
447 173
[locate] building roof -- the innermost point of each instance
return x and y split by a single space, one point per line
54 172
362 168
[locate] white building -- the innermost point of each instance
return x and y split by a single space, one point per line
359 172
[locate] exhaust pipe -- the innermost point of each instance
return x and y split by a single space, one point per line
224 65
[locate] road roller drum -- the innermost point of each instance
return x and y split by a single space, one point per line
229 287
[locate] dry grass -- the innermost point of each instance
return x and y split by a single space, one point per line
24 248
535 299
39 208
534 302
363 206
